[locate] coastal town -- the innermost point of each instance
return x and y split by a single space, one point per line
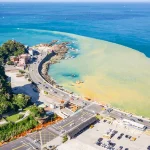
66 121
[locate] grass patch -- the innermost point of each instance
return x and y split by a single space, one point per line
15 117
27 108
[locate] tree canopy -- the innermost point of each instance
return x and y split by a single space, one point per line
10 48
9 101
5 92
20 100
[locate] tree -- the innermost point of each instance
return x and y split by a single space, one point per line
5 92
20 100
65 138
36 111
10 63
11 48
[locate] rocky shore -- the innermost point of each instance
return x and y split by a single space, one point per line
58 52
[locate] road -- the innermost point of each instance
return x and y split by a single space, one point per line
121 115
45 86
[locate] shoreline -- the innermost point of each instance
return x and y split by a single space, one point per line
58 52
55 59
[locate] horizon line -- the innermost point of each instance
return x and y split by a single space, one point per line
75 2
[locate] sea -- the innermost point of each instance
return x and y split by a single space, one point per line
109 51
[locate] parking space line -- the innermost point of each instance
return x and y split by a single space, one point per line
52 133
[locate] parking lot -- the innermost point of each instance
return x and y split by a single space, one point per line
91 136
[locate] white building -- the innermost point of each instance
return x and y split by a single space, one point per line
134 124
31 51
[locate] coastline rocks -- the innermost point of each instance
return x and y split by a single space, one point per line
59 51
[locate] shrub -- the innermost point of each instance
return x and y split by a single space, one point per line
45 92
12 129
21 71
65 138
10 63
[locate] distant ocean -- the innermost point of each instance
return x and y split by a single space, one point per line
127 24
112 74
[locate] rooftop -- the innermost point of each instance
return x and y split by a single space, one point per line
73 121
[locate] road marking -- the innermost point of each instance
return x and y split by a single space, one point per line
19 147
52 133
84 113
67 124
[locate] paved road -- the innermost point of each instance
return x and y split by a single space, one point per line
20 144
45 86
122 115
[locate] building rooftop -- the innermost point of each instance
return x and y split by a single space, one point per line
74 131
73 121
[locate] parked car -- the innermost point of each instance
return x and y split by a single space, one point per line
98 143
100 139
121 147
120 136
148 147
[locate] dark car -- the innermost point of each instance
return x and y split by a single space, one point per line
121 147
140 120
148 147
98 143
120 136
111 144
127 136
100 139
126 149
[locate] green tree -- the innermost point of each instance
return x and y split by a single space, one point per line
11 48
36 111
21 100
65 138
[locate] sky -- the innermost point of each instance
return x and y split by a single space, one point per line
74 0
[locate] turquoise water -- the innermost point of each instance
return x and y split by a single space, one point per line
111 73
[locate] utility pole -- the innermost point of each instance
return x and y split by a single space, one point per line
41 140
